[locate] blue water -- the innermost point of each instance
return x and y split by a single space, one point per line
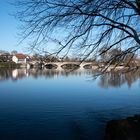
54 106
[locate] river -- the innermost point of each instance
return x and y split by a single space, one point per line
59 105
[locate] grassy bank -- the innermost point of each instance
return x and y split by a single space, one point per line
9 65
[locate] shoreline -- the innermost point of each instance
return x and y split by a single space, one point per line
123 129
102 68
9 65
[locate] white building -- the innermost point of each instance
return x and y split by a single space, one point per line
19 58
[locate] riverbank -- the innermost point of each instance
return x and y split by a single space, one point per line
125 129
69 66
9 65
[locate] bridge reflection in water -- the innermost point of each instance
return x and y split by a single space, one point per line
110 79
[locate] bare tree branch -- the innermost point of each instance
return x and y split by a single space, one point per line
86 25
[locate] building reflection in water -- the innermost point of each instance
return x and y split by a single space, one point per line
112 79
19 73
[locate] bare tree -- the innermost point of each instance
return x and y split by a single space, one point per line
14 52
85 25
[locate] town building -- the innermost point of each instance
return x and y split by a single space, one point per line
19 58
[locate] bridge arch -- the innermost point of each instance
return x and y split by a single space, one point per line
87 66
51 66
70 66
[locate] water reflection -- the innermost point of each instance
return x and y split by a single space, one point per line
111 79
117 79
16 74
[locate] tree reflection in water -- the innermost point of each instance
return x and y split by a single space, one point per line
117 79
110 79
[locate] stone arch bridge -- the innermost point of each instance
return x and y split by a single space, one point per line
64 65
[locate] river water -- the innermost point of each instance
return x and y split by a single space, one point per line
59 105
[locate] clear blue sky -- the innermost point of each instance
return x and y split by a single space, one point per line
9 38
8 28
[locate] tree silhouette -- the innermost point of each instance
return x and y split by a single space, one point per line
85 25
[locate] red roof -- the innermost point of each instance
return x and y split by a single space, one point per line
20 56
